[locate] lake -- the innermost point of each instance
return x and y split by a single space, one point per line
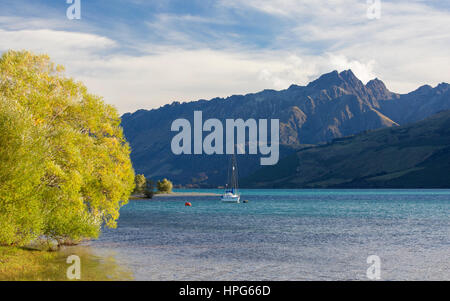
285 235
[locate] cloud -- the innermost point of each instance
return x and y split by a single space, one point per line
406 47
190 57
60 43
167 73
363 70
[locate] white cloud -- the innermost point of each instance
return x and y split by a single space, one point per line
60 43
364 71
168 73
407 47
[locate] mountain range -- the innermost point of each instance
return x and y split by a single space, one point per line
412 156
333 106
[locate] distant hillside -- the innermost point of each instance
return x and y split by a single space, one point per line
333 106
412 156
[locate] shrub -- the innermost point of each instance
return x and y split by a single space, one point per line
164 186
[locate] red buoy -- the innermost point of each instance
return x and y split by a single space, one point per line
187 204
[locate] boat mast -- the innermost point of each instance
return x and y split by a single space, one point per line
234 174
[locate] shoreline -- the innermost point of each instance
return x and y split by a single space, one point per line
181 194
26 264
175 194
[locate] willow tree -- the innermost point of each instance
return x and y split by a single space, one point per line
21 169
86 169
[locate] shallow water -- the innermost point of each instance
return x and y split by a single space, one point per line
285 235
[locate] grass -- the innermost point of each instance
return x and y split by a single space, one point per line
19 264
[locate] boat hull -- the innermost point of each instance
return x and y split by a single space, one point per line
230 199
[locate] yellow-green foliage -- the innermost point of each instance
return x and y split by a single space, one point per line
164 186
64 153
21 168
141 183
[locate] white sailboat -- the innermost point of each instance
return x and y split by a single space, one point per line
231 194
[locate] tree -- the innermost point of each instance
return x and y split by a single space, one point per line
84 169
140 183
21 169
149 189
164 186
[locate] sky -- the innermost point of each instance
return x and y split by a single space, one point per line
141 54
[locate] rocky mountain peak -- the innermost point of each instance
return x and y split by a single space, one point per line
378 89
349 76
423 90
443 87
376 84
346 80
326 80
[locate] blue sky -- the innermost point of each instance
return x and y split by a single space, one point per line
144 54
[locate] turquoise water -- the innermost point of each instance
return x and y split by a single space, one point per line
285 235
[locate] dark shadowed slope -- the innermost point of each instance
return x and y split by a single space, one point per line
412 156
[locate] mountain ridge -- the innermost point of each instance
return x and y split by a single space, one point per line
333 106
411 156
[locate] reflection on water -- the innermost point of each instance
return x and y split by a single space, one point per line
285 235
95 265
